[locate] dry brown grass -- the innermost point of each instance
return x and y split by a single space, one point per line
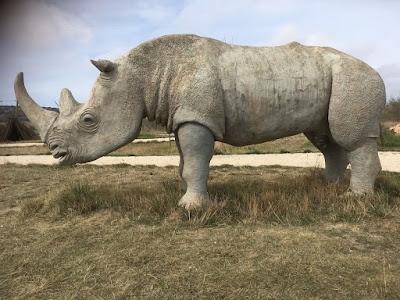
293 144
297 143
26 150
89 232
238 195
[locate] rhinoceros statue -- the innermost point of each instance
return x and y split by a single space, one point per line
204 90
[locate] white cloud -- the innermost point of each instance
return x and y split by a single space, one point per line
391 76
390 71
40 25
284 34
113 54
155 14
287 33
241 21
52 40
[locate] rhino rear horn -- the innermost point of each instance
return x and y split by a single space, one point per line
103 65
68 104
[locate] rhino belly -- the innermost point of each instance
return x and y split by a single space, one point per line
278 109
273 92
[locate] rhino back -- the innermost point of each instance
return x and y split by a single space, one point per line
272 92
244 95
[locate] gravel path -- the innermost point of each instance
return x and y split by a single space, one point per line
390 160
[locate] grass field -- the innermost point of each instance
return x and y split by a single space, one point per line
115 232
293 144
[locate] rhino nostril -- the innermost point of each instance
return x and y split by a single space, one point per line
53 147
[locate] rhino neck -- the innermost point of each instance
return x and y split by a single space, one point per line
158 94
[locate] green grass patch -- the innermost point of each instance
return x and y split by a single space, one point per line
392 140
142 204
288 199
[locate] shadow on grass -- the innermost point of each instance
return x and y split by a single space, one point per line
289 200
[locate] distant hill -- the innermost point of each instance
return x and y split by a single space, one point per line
9 111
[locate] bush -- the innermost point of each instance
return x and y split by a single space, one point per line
392 110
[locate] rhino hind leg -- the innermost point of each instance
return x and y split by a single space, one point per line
196 144
182 182
336 158
355 108
365 166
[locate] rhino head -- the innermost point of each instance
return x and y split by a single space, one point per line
80 133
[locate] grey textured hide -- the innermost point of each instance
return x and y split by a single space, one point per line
204 90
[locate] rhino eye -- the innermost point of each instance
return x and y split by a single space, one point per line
88 119
88 122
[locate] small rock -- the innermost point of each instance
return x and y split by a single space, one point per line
396 128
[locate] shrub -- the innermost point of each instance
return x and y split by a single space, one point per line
392 110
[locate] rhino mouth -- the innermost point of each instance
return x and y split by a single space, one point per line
59 153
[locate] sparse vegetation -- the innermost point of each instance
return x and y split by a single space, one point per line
392 140
392 110
271 233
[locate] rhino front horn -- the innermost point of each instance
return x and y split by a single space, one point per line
41 118
103 65
68 104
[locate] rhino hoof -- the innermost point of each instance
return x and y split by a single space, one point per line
194 201
354 193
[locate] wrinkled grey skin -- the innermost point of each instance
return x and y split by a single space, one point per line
204 90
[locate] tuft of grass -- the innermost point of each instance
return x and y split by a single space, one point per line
253 150
283 151
32 207
138 203
300 200
84 198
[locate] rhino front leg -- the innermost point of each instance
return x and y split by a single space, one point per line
196 144
336 158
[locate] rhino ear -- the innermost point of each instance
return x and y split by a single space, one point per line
68 104
103 65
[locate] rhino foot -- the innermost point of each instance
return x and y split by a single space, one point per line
194 201
355 193
351 193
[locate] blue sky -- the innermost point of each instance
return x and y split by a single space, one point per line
52 41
